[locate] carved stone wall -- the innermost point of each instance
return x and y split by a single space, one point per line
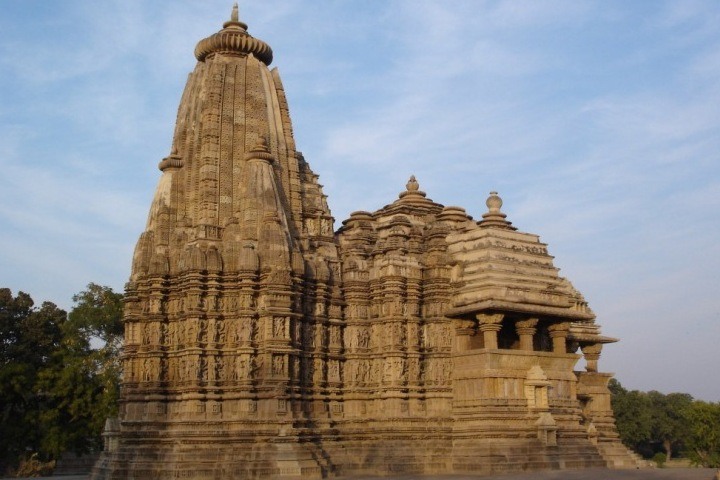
397 287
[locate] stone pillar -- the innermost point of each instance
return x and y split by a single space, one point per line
526 330
559 333
592 355
490 325
463 330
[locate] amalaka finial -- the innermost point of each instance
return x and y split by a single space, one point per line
233 40
172 161
261 151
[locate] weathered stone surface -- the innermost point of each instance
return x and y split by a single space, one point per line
259 343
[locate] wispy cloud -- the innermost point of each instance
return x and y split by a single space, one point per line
597 122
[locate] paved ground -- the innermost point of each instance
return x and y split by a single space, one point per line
589 474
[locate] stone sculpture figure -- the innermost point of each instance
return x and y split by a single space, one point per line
413 340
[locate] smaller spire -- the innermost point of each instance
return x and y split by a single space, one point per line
260 151
494 217
172 161
454 214
235 16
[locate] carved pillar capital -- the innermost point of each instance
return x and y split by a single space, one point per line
490 321
559 332
526 330
527 323
592 355
559 329
464 329
490 325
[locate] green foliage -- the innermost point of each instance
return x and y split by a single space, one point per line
660 459
703 442
669 419
97 314
632 415
660 424
59 373
28 338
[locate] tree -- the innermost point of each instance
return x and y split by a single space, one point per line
703 442
669 419
59 373
29 338
97 316
81 388
632 415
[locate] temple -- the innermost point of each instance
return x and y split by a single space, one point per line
261 343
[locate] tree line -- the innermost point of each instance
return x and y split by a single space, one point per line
665 426
60 376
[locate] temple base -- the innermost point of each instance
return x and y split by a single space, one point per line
287 461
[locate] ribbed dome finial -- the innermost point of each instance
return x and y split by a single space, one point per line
234 39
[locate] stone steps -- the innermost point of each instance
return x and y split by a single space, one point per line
617 455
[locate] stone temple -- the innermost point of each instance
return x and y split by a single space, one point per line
261 343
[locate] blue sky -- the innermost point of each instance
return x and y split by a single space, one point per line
597 121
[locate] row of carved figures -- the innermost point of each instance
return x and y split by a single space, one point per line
213 302
246 331
247 366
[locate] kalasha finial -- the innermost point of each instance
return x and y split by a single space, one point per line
412 184
494 202
412 192
235 19
494 217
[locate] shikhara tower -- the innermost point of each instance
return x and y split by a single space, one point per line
260 343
